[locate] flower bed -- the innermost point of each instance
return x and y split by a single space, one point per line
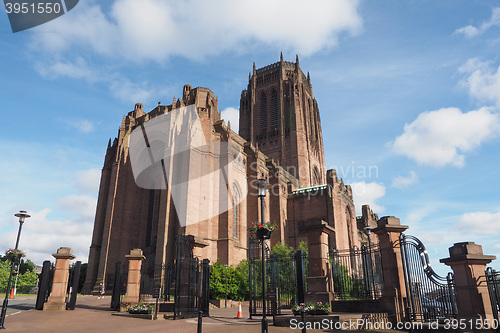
311 308
141 309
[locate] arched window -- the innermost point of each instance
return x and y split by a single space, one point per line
313 123
263 112
236 209
274 109
316 177
348 217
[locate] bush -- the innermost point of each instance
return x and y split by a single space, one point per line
235 286
27 276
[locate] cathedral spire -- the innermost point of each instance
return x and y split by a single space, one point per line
297 60
281 56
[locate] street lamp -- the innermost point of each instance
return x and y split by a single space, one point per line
262 184
22 216
367 231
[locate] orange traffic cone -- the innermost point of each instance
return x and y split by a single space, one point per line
240 314
12 293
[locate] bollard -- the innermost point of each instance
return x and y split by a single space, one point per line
156 309
200 316
304 329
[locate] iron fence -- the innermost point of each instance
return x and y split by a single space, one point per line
285 274
357 273
429 296
493 282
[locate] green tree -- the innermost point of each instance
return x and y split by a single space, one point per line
26 266
4 274
243 269
26 278
232 285
282 250
303 247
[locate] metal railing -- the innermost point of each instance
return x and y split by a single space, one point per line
357 273
429 296
493 282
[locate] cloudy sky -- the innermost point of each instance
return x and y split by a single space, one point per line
408 91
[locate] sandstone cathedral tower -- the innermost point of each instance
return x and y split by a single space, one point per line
280 140
278 112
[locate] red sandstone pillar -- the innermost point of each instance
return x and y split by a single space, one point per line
135 259
319 280
57 298
388 230
469 263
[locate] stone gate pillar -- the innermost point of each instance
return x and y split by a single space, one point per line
135 259
57 298
468 264
319 280
388 230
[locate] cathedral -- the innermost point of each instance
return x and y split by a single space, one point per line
279 140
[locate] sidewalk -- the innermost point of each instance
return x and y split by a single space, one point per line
93 315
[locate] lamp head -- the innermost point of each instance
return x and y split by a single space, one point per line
367 230
22 215
262 184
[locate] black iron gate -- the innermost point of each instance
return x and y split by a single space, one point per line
357 273
44 284
286 280
429 296
493 282
190 280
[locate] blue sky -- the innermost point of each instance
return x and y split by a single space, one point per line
408 90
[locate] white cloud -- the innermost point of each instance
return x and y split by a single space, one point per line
441 137
88 180
367 194
482 81
84 205
42 235
83 125
402 182
472 31
121 87
78 69
156 29
232 115
480 222
131 91
37 180
468 31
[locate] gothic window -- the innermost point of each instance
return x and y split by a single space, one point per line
349 227
274 109
149 225
236 209
313 124
263 112
316 177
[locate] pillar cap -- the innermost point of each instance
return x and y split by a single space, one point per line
196 241
135 254
64 253
315 224
389 223
467 251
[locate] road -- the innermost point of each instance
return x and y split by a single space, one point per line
20 304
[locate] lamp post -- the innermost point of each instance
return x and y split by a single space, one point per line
22 216
261 194
367 231
225 306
